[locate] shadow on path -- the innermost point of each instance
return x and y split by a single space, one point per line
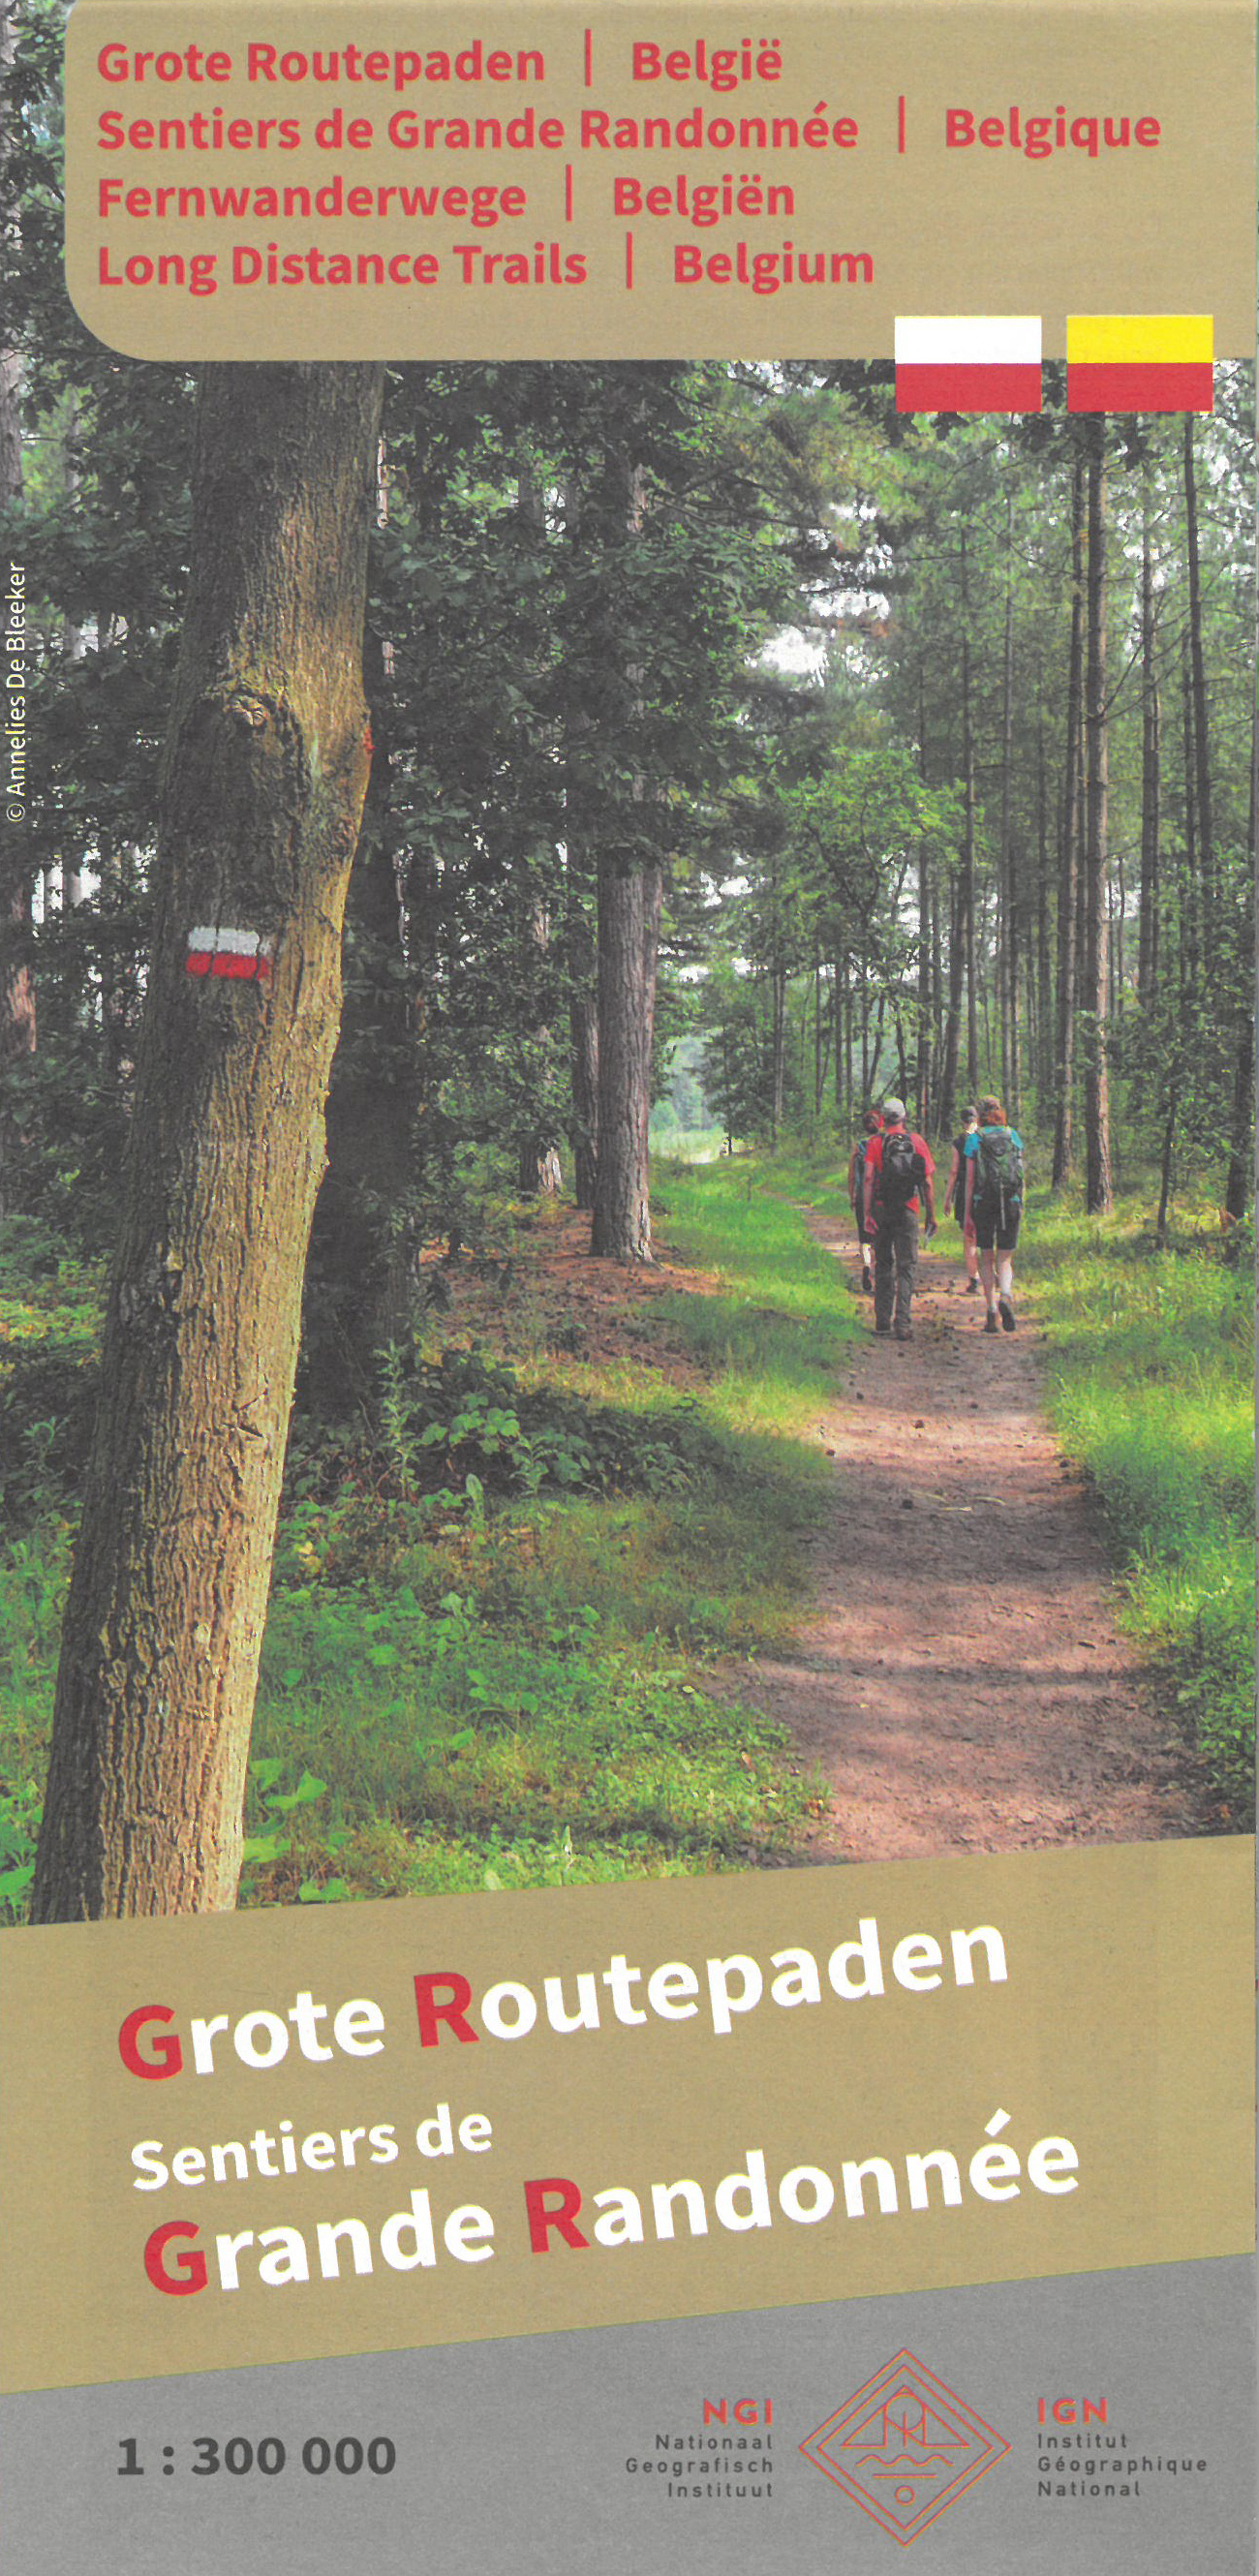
962 1686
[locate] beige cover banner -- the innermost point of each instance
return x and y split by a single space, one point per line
362 180
265 2137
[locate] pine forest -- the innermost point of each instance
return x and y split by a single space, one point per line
601 784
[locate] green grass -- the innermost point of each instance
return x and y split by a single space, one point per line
776 1321
1150 1390
484 1658
484 1662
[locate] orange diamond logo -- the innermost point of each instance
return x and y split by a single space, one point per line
905 2448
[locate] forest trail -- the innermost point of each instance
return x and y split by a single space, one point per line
962 1685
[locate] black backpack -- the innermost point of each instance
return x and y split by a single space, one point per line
901 1172
999 1177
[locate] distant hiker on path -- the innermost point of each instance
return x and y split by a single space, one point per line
955 1196
870 1126
994 1207
899 1167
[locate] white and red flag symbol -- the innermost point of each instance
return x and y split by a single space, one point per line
968 362
241 954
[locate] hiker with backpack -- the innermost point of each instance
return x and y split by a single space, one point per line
955 1196
994 1207
870 1126
900 1174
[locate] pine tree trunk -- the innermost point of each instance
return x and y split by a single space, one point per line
1098 1189
630 901
1191 896
1151 779
10 361
1202 762
1240 1183
926 1000
263 787
967 888
579 933
1069 868
1005 946
18 1029
953 1021
1044 968
583 1024
778 1080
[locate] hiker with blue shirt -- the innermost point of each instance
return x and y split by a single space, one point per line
994 1208
955 1195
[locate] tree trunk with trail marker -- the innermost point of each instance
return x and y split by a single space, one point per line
265 774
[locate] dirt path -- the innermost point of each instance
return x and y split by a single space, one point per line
963 1686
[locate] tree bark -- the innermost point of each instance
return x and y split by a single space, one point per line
630 900
1202 762
926 998
953 1019
18 1029
1007 925
1151 776
926 995
264 779
1043 1043
10 361
1239 1186
583 1025
359 1281
967 887
778 1047
1098 1188
1191 894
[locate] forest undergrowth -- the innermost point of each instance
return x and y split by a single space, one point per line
493 1601
495 1598
1150 1391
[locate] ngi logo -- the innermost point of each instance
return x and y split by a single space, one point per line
905 2447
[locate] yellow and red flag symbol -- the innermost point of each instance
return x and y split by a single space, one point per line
1140 361
968 362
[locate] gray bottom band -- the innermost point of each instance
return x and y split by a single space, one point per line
1125 2400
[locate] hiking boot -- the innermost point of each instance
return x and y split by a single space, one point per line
883 1328
991 1324
1006 1312
972 1287
867 1284
904 1332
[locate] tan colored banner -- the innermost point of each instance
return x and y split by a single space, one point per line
366 180
264 2137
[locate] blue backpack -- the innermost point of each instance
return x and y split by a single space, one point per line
999 1169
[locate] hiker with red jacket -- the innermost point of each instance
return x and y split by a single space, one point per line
870 1126
994 1207
900 1175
